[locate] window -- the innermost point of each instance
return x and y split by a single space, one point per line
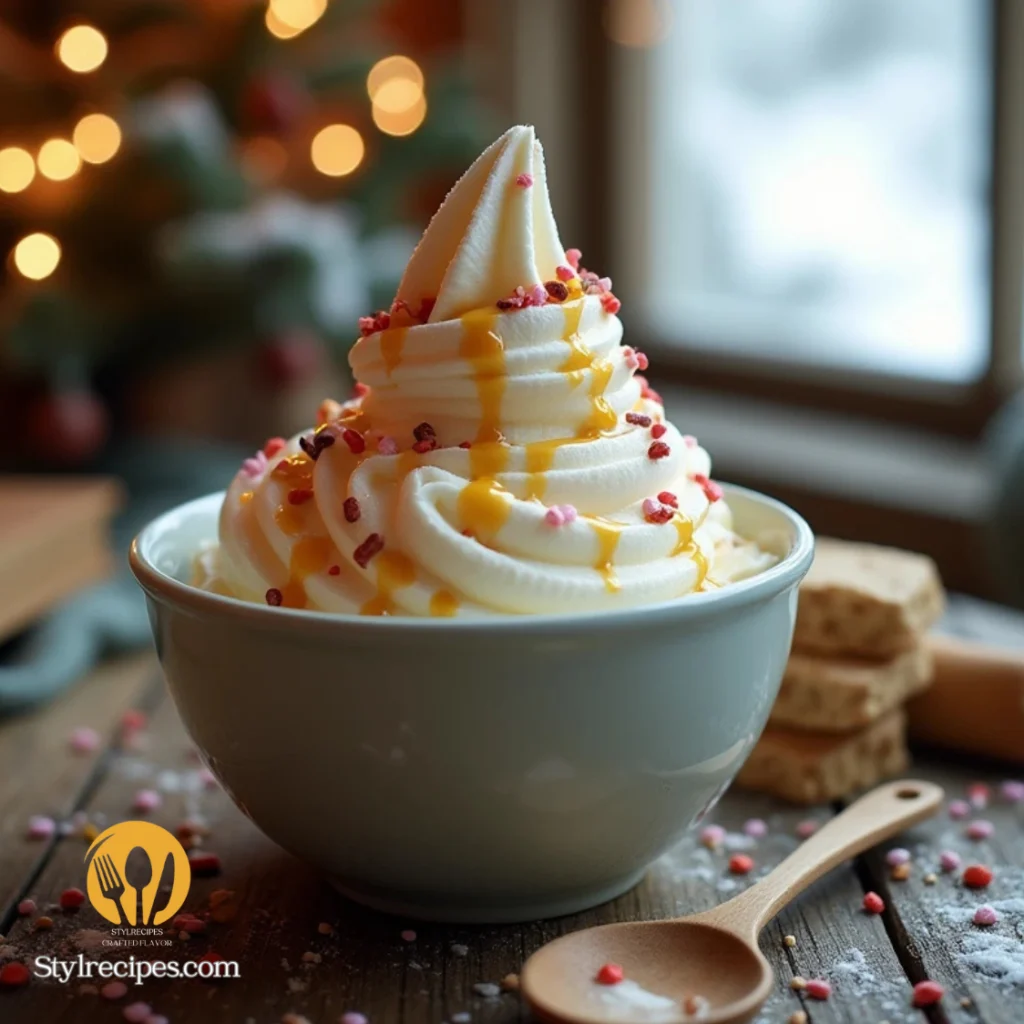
820 172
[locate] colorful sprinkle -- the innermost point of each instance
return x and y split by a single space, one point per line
273 446
897 855
71 899
14 974
1012 790
638 419
114 990
658 450
805 829
873 903
355 441
524 180
977 876
274 597
255 465
658 430
573 257
204 864
387 446
536 295
712 836
428 444
147 800
642 362
656 512
926 993
741 864
712 491
423 432
27 908
408 935
979 829
556 290
350 506
754 827
610 304
84 740
978 794
564 273
560 515
668 498
373 545
900 872
41 827
137 1013
986 916
958 809
299 495
818 989
609 974
789 941
353 1018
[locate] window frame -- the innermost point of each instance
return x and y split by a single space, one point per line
610 139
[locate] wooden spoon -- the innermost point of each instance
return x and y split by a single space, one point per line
713 955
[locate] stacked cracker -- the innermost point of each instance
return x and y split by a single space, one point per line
859 654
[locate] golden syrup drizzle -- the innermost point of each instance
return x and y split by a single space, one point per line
684 527
488 459
443 604
392 341
484 506
309 556
394 570
701 562
296 470
608 534
483 349
245 497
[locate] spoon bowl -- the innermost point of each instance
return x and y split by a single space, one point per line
712 957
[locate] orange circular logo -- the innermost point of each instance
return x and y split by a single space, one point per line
137 874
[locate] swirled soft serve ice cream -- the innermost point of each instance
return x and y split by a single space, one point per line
502 453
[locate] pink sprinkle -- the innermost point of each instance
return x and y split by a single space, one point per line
689 440
353 1018
408 935
756 827
524 180
114 990
712 836
1012 791
41 827
978 794
949 860
255 465
986 916
147 800
979 829
959 809
641 361
537 295
27 908
387 446
632 361
136 1013
816 988
564 273
573 257
84 740
610 304
156 1018
554 517
896 856
806 829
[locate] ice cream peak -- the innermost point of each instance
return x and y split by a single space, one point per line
501 455
494 232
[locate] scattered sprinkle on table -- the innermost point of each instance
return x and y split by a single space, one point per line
712 836
1012 790
324 928
757 828
147 800
977 876
979 829
741 864
806 829
797 983
949 860
84 740
71 899
408 935
41 827
27 907
114 990
900 873
14 974
789 941
897 855
609 974
352 1018
797 1018
510 983
926 993
958 809
136 1013
818 988
985 916
873 903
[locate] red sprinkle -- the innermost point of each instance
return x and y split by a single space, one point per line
610 304
188 923
564 273
355 441
610 974
274 597
466 444
638 419
524 180
71 899
873 903
977 876
133 719
819 989
373 545
658 430
426 308
646 391
927 993
428 444
351 509
712 491
361 390
661 514
668 498
573 256
273 446
335 570
204 864
658 450
424 431
14 974
642 362
741 864
299 496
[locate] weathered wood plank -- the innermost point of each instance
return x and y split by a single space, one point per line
39 774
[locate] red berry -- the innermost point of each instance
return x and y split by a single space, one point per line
816 988
204 864
14 974
355 441
668 498
927 993
658 450
977 876
610 974
351 509
658 430
741 864
71 899
873 903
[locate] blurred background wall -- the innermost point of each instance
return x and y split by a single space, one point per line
812 210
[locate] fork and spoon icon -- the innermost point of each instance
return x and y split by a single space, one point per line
138 870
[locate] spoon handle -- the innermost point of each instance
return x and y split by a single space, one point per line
883 812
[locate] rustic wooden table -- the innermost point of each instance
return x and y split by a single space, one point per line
290 966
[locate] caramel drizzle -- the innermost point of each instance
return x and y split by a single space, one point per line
483 508
443 604
392 342
394 571
608 534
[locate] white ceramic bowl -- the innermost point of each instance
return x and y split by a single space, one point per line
500 770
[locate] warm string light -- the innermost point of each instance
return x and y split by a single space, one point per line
276 27
58 160
337 150
286 19
36 256
395 86
82 48
17 169
97 138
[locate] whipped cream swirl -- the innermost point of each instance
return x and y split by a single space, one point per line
503 455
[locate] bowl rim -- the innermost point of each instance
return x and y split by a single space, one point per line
162 587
